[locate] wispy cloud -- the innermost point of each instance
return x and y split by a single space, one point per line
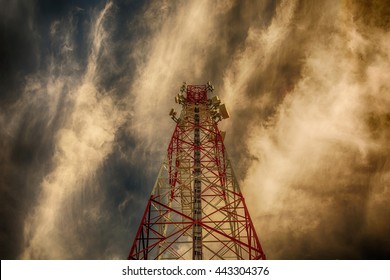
81 144
317 157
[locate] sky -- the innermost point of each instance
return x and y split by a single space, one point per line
85 92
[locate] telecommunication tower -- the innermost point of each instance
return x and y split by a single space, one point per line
196 209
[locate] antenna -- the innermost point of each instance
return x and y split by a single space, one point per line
196 209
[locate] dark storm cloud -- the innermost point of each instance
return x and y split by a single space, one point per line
85 91
18 48
43 53
315 158
25 136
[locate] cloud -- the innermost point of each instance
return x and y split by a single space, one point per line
175 50
316 157
85 126
81 143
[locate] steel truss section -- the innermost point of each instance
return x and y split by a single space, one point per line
196 209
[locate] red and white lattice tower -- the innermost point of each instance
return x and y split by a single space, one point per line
196 209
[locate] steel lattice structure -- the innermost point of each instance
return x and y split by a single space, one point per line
196 209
